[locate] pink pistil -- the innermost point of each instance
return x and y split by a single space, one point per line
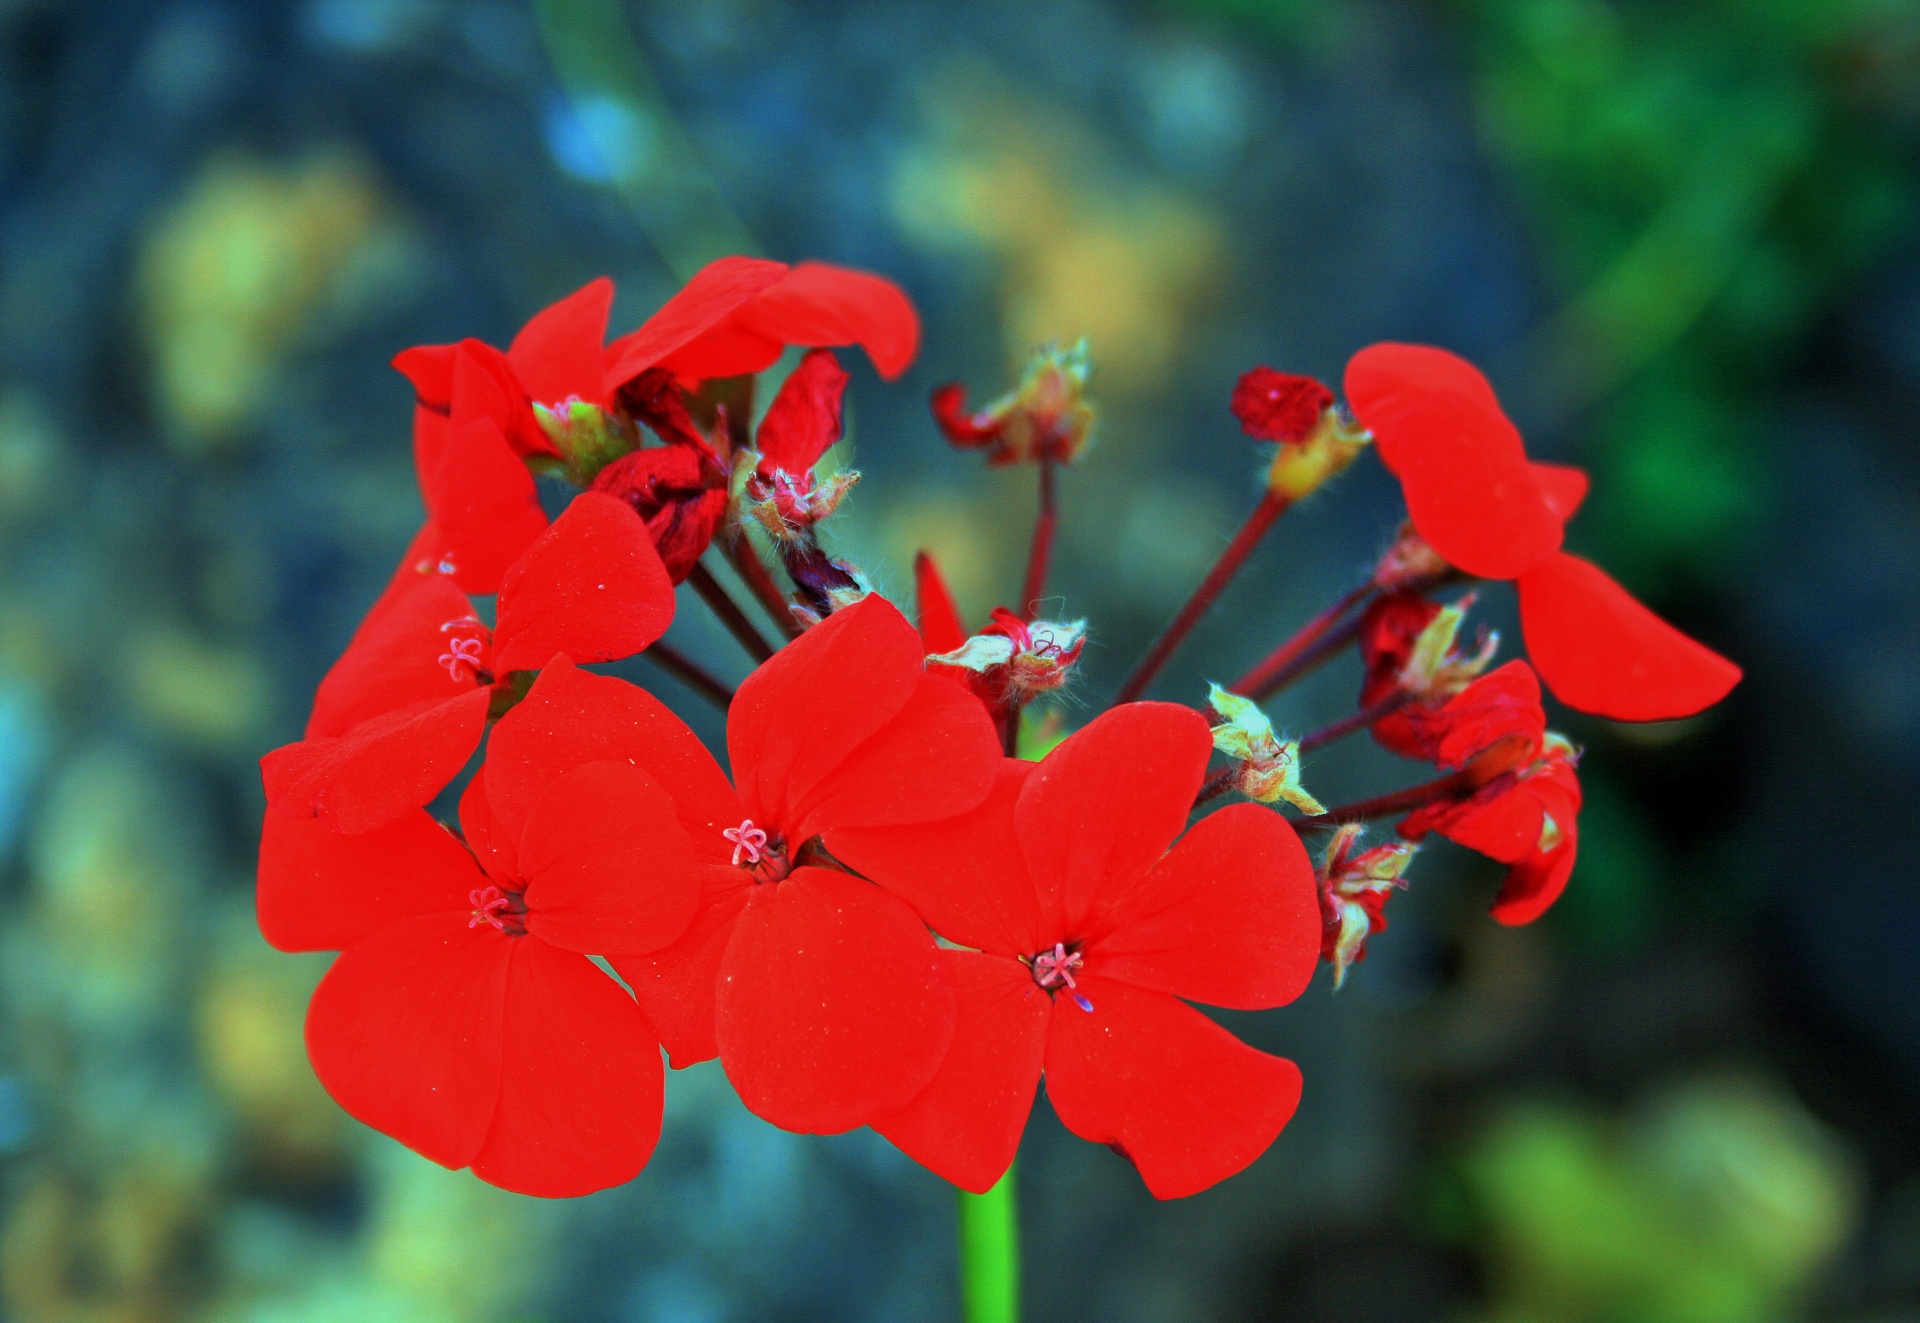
488 904
749 843
463 651
1055 968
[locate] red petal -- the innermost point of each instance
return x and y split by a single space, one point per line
1184 1100
397 657
580 1080
493 847
430 370
1230 917
1602 652
609 869
940 624
1562 486
482 499
1103 807
561 351
728 350
1502 821
1536 881
715 291
679 987
798 717
382 768
1385 376
804 418
405 1029
1460 461
965 1126
835 1007
818 304
592 587
319 890
570 717
935 757
964 875
1503 702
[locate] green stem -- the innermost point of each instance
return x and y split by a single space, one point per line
990 1254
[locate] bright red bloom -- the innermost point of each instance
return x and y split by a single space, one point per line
1087 932
1477 500
1279 406
399 714
463 1017
823 996
738 313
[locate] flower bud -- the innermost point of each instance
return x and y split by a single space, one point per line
1316 439
681 493
1353 895
1014 660
1047 417
1408 563
1267 769
587 436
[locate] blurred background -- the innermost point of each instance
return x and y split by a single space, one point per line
1680 235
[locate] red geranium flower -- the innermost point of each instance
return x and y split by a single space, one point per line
1477 500
823 996
463 1017
1279 406
1525 812
738 313
404 708
802 424
1087 931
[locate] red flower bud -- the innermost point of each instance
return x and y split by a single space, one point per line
681 493
1279 406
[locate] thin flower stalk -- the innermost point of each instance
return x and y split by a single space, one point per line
692 674
1040 557
1313 643
729 613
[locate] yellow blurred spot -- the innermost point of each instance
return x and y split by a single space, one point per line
232 274
207 694
1085 247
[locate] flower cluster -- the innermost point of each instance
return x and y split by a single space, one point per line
879 914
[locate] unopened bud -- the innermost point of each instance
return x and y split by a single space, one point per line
1267 768
1353 895
587 436
1408 563
1019 660
1047 417
1435 670
1301 468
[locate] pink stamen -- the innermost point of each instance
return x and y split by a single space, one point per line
1055 968
749 843
488 902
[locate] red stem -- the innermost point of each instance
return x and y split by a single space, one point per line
1316 640
690 673
1271 507
1391 805
1217 785
729 612
753 572
1040 558
1360 720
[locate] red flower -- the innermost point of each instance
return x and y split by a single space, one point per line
1524 809
802 424
823 996
1087 932
463 1017
1478 501
738 313
681 493
1046 417
399 714
1279 406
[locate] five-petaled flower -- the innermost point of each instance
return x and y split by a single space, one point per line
823 996
463 1016
1084 935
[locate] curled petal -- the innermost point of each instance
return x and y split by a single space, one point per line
714 293
1600 651
821 305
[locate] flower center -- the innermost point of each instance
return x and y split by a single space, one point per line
1054 969
501 910
465 650
754 849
